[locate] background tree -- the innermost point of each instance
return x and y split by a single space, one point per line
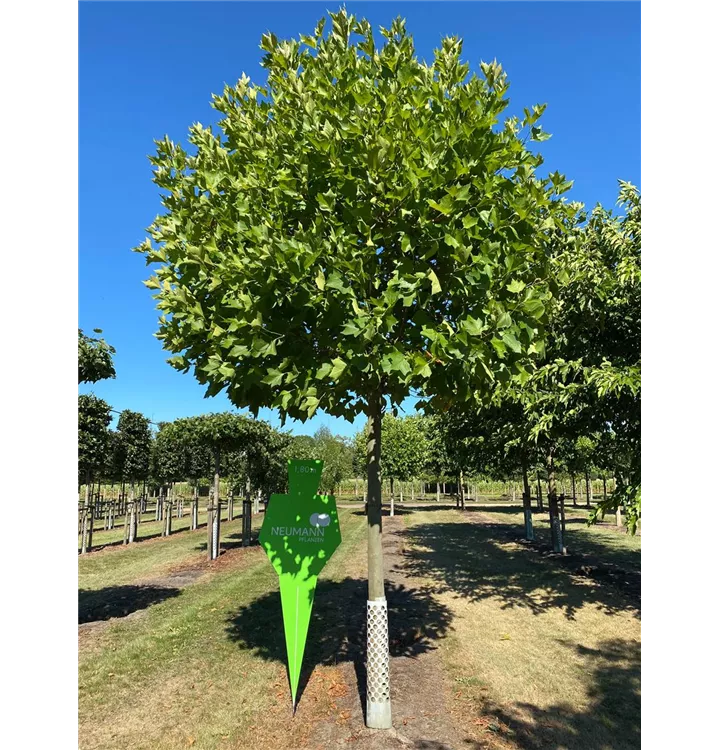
93 437
436 465
226 434
135 444
94 358
404 449
587 384
337 455
407 249
170 457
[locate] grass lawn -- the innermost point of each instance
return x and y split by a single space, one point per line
148 528
198 669
540 656
536 655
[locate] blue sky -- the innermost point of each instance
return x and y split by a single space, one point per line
149 69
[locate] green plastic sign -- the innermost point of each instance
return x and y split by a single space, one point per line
299 533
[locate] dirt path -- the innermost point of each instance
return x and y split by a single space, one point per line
419 689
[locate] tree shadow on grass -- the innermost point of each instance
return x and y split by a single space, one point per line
480 561
612 718
119 601
337 629
600 548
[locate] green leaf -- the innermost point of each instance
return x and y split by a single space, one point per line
310 405
435 285
516 286
534 307
335 281
444 207
512 342
152 283
320 280
504 320
351 329
499 345
339 365
473 326
274 377
451 241
395 362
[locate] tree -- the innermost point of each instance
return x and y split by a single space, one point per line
93 436
359 227
404 449
94 358
336 453
170 460
134 447
135 439
226 434
585 392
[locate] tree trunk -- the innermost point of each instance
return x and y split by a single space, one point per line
619 519
553 509
246 522
391 496
588 489
213 520
605 494
462 499
528 520
86 538
378 703
133 516
167 526
539 494
573 489
126 527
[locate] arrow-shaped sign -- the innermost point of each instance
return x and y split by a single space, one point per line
299 534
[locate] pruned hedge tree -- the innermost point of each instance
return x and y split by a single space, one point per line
93 439
134 445
225 435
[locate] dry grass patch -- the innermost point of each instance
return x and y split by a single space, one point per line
539 657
